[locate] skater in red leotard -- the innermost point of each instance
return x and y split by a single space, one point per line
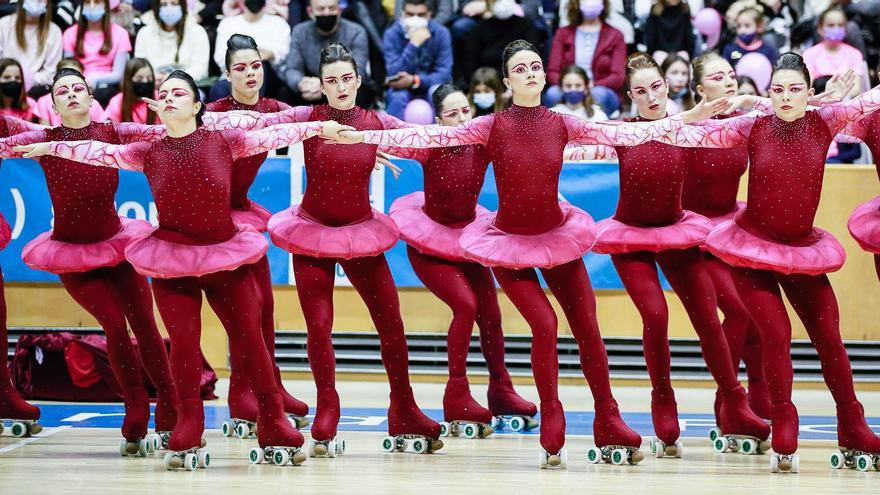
198 248
864 224
533 230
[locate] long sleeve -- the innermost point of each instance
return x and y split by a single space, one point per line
223 36
219 121
554 64
418 154
294 69
764 105
838 115
400 54
615 78
122 156
290 115
726 133
17 126
589 152
131 132
115 75
198 51
619 133
279 136
360 47
391 122
7 144
434 136
441 71
51 56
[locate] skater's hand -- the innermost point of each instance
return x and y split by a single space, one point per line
348 137
384 160
32 150
331 129
706 110
152 104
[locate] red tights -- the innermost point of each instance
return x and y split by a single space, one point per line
12 406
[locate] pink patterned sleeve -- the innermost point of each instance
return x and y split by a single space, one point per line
289 116
838 115
283 106
763 105
122 156
6 144
277 136
418 154
434 136
581 131
390 122
18 126
221 121
589 152
725 133
130 132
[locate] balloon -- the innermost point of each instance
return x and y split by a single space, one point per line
708 23
419 112
757 67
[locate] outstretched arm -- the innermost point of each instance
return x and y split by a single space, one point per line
838 115
122 156
725 133
434 136
274 137
130 132
589 152
18 126
7 144
290 115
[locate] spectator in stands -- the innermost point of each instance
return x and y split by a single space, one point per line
138 82
506 22
669 30
593 45
576 97
30 37
101 46
486 92
441 10
749 38
677 72
237 7
832 56
14 101
171 39
418 56
272 34
747 86
309 37
45 107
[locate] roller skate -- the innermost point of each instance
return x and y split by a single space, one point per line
409 428
552 455
741 430
759 399
185 445
242 408
859 446
324 442
134 440
165 416
295 409
664 415
13 409
280 443
508 408
784 439
616 443
462 414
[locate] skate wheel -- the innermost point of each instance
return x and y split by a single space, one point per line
204 458
563 459
19 429
658 448
191 462
795 463
714 433
721 445
864 463
542 459
749 446
455 428
444 429
470 431
389 444
310 448
242 430
340 446
154 442
837 460
594 455
517 424
419 446
774 463
171 461
1 428
331 448
123 447
618 457
143 447
280 457
228 428
256 455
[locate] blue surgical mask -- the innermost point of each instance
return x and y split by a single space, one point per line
573 97
484 101
747 38
34 9
93 14
171 14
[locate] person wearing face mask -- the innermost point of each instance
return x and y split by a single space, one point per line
308 39
749 32
272 34
30 37
172 39
503 23
127 106
486 91
14 100
593 45
418 56
576 97
832 55
677 72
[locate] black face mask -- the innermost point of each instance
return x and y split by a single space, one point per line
143 89
11 89
254 5
326 23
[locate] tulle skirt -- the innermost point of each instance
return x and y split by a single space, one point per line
617 237
423 233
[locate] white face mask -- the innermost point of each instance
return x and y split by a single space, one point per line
503 9
412 23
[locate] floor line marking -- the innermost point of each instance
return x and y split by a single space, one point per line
48 432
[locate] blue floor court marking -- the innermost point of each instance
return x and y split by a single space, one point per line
375 419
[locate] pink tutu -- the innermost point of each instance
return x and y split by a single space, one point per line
716 221
488 245
423 233
256 216
159 258
5 232
617 237
297 233
738 247
864 225
49 255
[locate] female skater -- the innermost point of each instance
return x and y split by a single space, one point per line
864 223
197 247
533 230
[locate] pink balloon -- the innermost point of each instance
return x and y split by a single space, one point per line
708 23
419 112
757 67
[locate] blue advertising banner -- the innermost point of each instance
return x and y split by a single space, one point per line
24 201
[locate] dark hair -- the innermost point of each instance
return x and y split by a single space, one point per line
197 97
833 8
792 61
236 43
440 94
740 80
179 29
420 2
336 52
129 99
574 16
70 63
19 102
588 96
820 83
489 77
43 26
82 27
661 5
638 61
688 99
512 49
